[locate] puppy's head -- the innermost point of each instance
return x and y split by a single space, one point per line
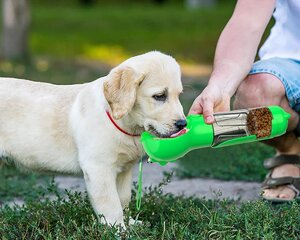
147 88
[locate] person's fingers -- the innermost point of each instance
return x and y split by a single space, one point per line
208 111
196 107
195 110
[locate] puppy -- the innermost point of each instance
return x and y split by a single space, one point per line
93 128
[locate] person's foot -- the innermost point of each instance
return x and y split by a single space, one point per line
283 192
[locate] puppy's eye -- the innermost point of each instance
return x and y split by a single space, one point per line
160 97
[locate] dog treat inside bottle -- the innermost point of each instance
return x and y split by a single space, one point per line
259 122
241 123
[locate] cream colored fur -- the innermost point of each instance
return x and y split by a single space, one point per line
66 129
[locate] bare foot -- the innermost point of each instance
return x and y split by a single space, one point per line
284 192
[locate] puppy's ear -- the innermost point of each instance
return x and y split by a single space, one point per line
120 89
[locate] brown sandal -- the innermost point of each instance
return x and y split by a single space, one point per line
290 182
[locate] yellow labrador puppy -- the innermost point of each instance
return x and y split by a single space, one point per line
93 128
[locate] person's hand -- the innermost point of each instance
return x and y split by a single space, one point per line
212 99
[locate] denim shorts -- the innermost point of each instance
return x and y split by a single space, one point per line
288 72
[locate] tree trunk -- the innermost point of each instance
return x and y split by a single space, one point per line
16 20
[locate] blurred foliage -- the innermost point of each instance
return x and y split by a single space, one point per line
54 70
241 162
112 32
119 2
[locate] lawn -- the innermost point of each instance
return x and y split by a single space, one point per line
164 216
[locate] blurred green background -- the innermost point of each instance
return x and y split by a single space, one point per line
76 41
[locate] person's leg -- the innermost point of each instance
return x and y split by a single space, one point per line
264 89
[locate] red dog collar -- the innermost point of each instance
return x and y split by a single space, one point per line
120 129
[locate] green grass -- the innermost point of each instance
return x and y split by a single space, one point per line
241 162
111 33
164 216
54 70
21 184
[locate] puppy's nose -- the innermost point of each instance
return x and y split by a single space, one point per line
180 124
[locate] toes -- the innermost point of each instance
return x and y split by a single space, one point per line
271 193
279 192
287 193
266 193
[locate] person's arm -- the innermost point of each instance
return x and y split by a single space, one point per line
234 56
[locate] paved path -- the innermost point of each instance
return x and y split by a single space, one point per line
153 174
208 188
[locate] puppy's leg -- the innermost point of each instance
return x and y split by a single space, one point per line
124 182
102 189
